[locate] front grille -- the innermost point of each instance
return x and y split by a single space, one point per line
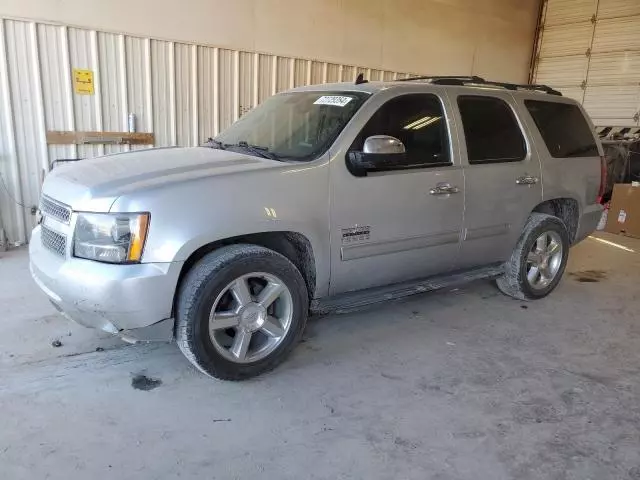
54 241
56 210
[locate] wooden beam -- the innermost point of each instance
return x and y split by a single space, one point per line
97 138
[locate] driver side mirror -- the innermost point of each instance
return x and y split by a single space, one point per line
380 152
383 144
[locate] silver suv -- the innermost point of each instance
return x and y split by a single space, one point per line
324 198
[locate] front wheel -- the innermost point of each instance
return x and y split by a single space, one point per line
539 259
240 310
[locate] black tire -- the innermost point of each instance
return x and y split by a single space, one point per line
199 290
514 282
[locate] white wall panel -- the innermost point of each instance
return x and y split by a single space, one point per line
562 71
182 93
612 105
12 214
163 81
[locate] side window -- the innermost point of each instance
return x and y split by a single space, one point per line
563 128
418 121
491 130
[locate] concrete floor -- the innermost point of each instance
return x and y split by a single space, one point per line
465 384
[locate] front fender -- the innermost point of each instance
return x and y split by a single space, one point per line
190 215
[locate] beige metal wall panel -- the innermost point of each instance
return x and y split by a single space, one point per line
227 82
615 69
113 95
244 78
612 105
577 93
333 73
163 82
618 8
300 73
184 63
25 94
562 71
562 40
349 74
138 86
284 74
562 12
619 34
12 215
56 86
207 91
83 54
318 73
267 65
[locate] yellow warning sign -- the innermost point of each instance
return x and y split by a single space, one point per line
83 81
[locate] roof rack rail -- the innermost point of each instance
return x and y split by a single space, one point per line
473 80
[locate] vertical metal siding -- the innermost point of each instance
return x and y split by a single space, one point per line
182 93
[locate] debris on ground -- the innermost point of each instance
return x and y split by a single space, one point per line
56 343
99 349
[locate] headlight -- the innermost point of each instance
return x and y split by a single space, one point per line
110 237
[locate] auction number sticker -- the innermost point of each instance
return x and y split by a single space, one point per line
335 100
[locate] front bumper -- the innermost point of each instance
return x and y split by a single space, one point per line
113 298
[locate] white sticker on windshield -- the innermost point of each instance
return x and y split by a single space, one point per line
335 100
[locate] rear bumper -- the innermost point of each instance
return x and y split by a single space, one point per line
588 222
112 298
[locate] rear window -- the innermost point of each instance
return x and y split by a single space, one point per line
564 129
491 131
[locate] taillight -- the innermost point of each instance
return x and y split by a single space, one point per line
603 179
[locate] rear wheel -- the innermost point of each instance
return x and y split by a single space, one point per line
240 311
539 259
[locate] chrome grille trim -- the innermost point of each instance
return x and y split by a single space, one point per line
54 241
57 210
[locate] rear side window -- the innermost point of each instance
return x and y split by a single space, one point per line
491 131
564 129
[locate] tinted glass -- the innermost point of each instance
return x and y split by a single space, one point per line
297 125
418 121
491 130
564 129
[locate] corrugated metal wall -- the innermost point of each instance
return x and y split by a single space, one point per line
590 51
182 93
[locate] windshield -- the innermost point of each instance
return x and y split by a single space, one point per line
292 126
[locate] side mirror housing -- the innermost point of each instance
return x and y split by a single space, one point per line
383 144
380 152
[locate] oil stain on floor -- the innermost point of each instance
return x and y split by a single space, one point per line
589 276
142 382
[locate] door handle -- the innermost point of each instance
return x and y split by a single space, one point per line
527 180
444 189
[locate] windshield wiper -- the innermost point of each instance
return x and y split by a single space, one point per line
256 150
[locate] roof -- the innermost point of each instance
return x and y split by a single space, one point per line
471 82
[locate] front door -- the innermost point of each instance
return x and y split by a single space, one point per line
502 176
397 225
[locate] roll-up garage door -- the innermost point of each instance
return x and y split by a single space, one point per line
590 51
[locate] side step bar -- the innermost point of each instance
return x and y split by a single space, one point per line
352 301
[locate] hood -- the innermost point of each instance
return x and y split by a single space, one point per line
94 184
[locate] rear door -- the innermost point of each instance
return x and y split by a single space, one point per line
502 175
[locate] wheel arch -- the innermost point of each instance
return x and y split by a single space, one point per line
293 245
566 209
